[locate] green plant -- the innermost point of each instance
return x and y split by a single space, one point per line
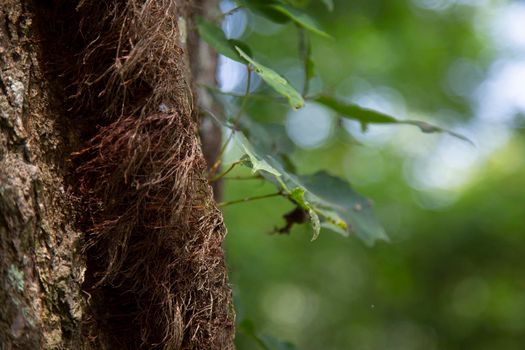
324 200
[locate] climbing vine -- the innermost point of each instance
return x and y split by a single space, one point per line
325 200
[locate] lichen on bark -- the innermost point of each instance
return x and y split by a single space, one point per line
41 268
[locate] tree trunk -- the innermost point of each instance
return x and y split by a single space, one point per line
110 237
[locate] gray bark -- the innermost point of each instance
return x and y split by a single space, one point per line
41 268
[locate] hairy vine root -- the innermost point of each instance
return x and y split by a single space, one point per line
156 276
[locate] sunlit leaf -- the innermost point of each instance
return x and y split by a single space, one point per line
256 162
277 82
368 116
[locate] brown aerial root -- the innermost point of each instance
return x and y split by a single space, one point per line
156 238
156 277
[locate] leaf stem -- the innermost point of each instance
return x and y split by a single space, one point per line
305 51
220 176
256 177
268 98
223 15
232 11
214 117
236 119
249 199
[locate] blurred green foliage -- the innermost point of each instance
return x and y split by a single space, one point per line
452 275
451 279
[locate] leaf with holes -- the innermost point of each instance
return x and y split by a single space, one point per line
327 192
329 201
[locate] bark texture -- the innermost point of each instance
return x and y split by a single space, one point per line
41 265
108 83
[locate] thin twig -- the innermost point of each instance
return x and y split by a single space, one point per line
305 51
249 199
228 13
256 177
275 99
220 176
214 117
235 123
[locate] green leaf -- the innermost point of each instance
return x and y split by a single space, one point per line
300 18
263 8
244 47
352 111
297 195
257 163
429 128
264 341
272 343
215 37
277 82
368 116
327 191
305 53
329 4
280 12
329 201
316 224
268 138
297 3
309 68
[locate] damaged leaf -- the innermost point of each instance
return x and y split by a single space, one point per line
297 216
329 201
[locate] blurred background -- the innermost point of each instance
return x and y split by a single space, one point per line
453 275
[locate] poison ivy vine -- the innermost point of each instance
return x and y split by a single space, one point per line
323 199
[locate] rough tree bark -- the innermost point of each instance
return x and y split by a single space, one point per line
109 234
41 265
